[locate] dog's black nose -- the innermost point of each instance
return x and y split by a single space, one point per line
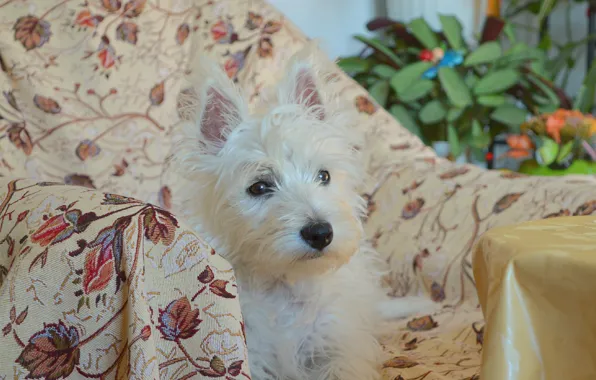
318 235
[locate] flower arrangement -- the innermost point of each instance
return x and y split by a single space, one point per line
555 141
443 89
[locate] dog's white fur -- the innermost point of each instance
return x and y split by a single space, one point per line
308 315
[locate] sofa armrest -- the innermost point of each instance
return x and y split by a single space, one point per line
101 285
427 214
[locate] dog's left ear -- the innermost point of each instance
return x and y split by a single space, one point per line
300 85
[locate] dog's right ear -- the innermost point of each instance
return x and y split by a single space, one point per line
215 104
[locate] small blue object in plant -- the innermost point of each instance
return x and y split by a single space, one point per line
451 58
431 73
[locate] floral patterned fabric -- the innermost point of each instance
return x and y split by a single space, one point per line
104 286
89 98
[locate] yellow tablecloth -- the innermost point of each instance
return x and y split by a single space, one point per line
537 286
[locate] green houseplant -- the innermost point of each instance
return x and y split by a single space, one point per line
564 56
556 143
442 89
559 142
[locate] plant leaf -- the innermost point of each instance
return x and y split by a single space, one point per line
545 8
547 108
476 128
378 46
479 138
579 99
424 33
496 81
554 66
471 79
408 75
547 153
353 65
541 100
546 43
384 71
509 31
491 100
417 90
488 52
454 114
453 139
365 80
453 31
455 88
534 7
546 90
380 91
539 67
432 112
510 115
520 53
585 99
403 117
565 151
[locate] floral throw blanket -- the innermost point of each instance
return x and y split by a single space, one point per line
99 285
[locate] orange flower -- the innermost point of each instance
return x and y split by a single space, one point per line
554 124
521 146
520 142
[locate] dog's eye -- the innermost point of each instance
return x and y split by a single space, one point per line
260 188
324 177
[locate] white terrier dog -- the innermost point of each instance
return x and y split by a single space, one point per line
275 193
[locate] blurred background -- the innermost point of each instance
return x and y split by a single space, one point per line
498 83
335 22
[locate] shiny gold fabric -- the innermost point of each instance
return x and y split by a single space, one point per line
536 283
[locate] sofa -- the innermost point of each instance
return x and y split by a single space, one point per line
99 279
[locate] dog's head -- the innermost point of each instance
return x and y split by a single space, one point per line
276 190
